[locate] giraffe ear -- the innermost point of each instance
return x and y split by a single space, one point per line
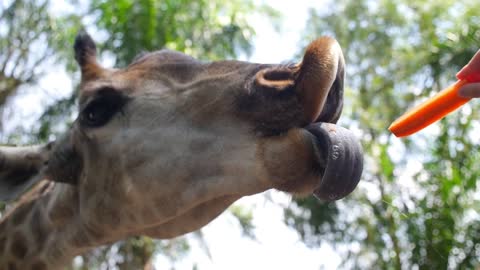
86 56
20 169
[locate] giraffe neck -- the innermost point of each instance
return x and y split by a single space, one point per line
39 234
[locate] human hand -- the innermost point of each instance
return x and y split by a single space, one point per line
470 90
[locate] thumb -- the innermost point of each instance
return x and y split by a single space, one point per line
463 73
471 90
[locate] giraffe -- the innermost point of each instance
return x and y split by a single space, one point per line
163 146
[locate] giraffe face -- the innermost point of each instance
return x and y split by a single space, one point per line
170 140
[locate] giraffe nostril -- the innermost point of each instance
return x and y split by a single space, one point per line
278 75
275 78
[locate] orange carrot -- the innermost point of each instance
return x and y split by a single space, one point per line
430 111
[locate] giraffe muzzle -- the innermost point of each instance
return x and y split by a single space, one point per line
320 88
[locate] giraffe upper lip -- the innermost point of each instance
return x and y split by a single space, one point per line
333 106
319 80
343 157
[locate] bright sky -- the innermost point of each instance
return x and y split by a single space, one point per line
277 246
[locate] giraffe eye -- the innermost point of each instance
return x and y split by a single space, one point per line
97 114
102 108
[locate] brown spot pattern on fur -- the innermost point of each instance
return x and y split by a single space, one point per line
38 265
20 215
3 225
19 246
39 233
3 243
11 266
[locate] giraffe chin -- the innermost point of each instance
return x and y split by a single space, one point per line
342 155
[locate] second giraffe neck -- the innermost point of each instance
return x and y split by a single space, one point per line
41 234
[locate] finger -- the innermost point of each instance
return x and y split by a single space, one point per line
472 67
471 90
463 72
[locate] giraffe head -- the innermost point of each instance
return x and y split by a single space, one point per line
164 145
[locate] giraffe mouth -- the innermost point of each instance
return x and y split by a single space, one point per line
320 85
338 149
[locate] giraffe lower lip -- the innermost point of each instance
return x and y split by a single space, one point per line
344 161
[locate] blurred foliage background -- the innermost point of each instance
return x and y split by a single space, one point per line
418 204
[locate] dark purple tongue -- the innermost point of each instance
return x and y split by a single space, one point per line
343 157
